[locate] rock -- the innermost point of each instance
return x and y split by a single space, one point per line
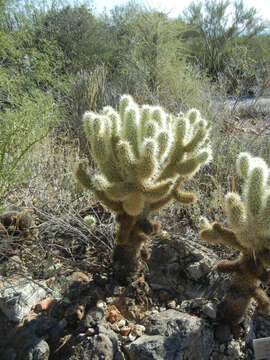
36 351
132 336
125 330
187 260
171 304
93 316
102 345
173 335
10 354
138 330
18 297
223 333
195 271
234 349
122 323
28 341
210 310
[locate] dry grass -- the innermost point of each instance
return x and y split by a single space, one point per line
58 206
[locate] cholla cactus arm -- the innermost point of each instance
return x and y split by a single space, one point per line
243 165
262 300
83 177
248 217
190 147
235 210
218 234
115 206
250 233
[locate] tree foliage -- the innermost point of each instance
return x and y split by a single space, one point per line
215 28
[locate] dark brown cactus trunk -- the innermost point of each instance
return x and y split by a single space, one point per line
248 274
131 239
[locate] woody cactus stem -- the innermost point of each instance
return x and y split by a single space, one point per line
127 254
143 156
250 233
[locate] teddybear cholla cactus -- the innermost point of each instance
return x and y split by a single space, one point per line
143 156
249 220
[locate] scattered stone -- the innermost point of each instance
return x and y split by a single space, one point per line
93 316
80 311
45 304
132 336
222 348
79 276
38 351
90 331
138 330
103 345
198 302
117 290
125 330
210 310
28 341
101 304
110 300
234 349
18 297
113 314
122 323
171 304
115 327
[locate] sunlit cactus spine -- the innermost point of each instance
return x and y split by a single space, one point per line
143 156
249 232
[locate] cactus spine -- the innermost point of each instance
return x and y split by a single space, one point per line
249 233
143 156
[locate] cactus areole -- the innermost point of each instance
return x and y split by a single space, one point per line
143 155
249 220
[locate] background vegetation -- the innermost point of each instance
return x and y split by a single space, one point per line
59 59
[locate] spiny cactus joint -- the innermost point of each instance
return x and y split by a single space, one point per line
250 232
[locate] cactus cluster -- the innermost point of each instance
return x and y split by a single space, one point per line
143 155
249 232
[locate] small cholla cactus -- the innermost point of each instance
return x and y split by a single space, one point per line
90 221
249 220
143 156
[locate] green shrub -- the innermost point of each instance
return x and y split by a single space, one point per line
21 128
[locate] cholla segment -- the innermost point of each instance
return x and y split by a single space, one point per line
249 220
143 151
248 217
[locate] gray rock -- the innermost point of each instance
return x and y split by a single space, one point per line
249 329
104 344
18 297
210 310
187 260
223 333
195 271
37 351
234 349
10 354
173 335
